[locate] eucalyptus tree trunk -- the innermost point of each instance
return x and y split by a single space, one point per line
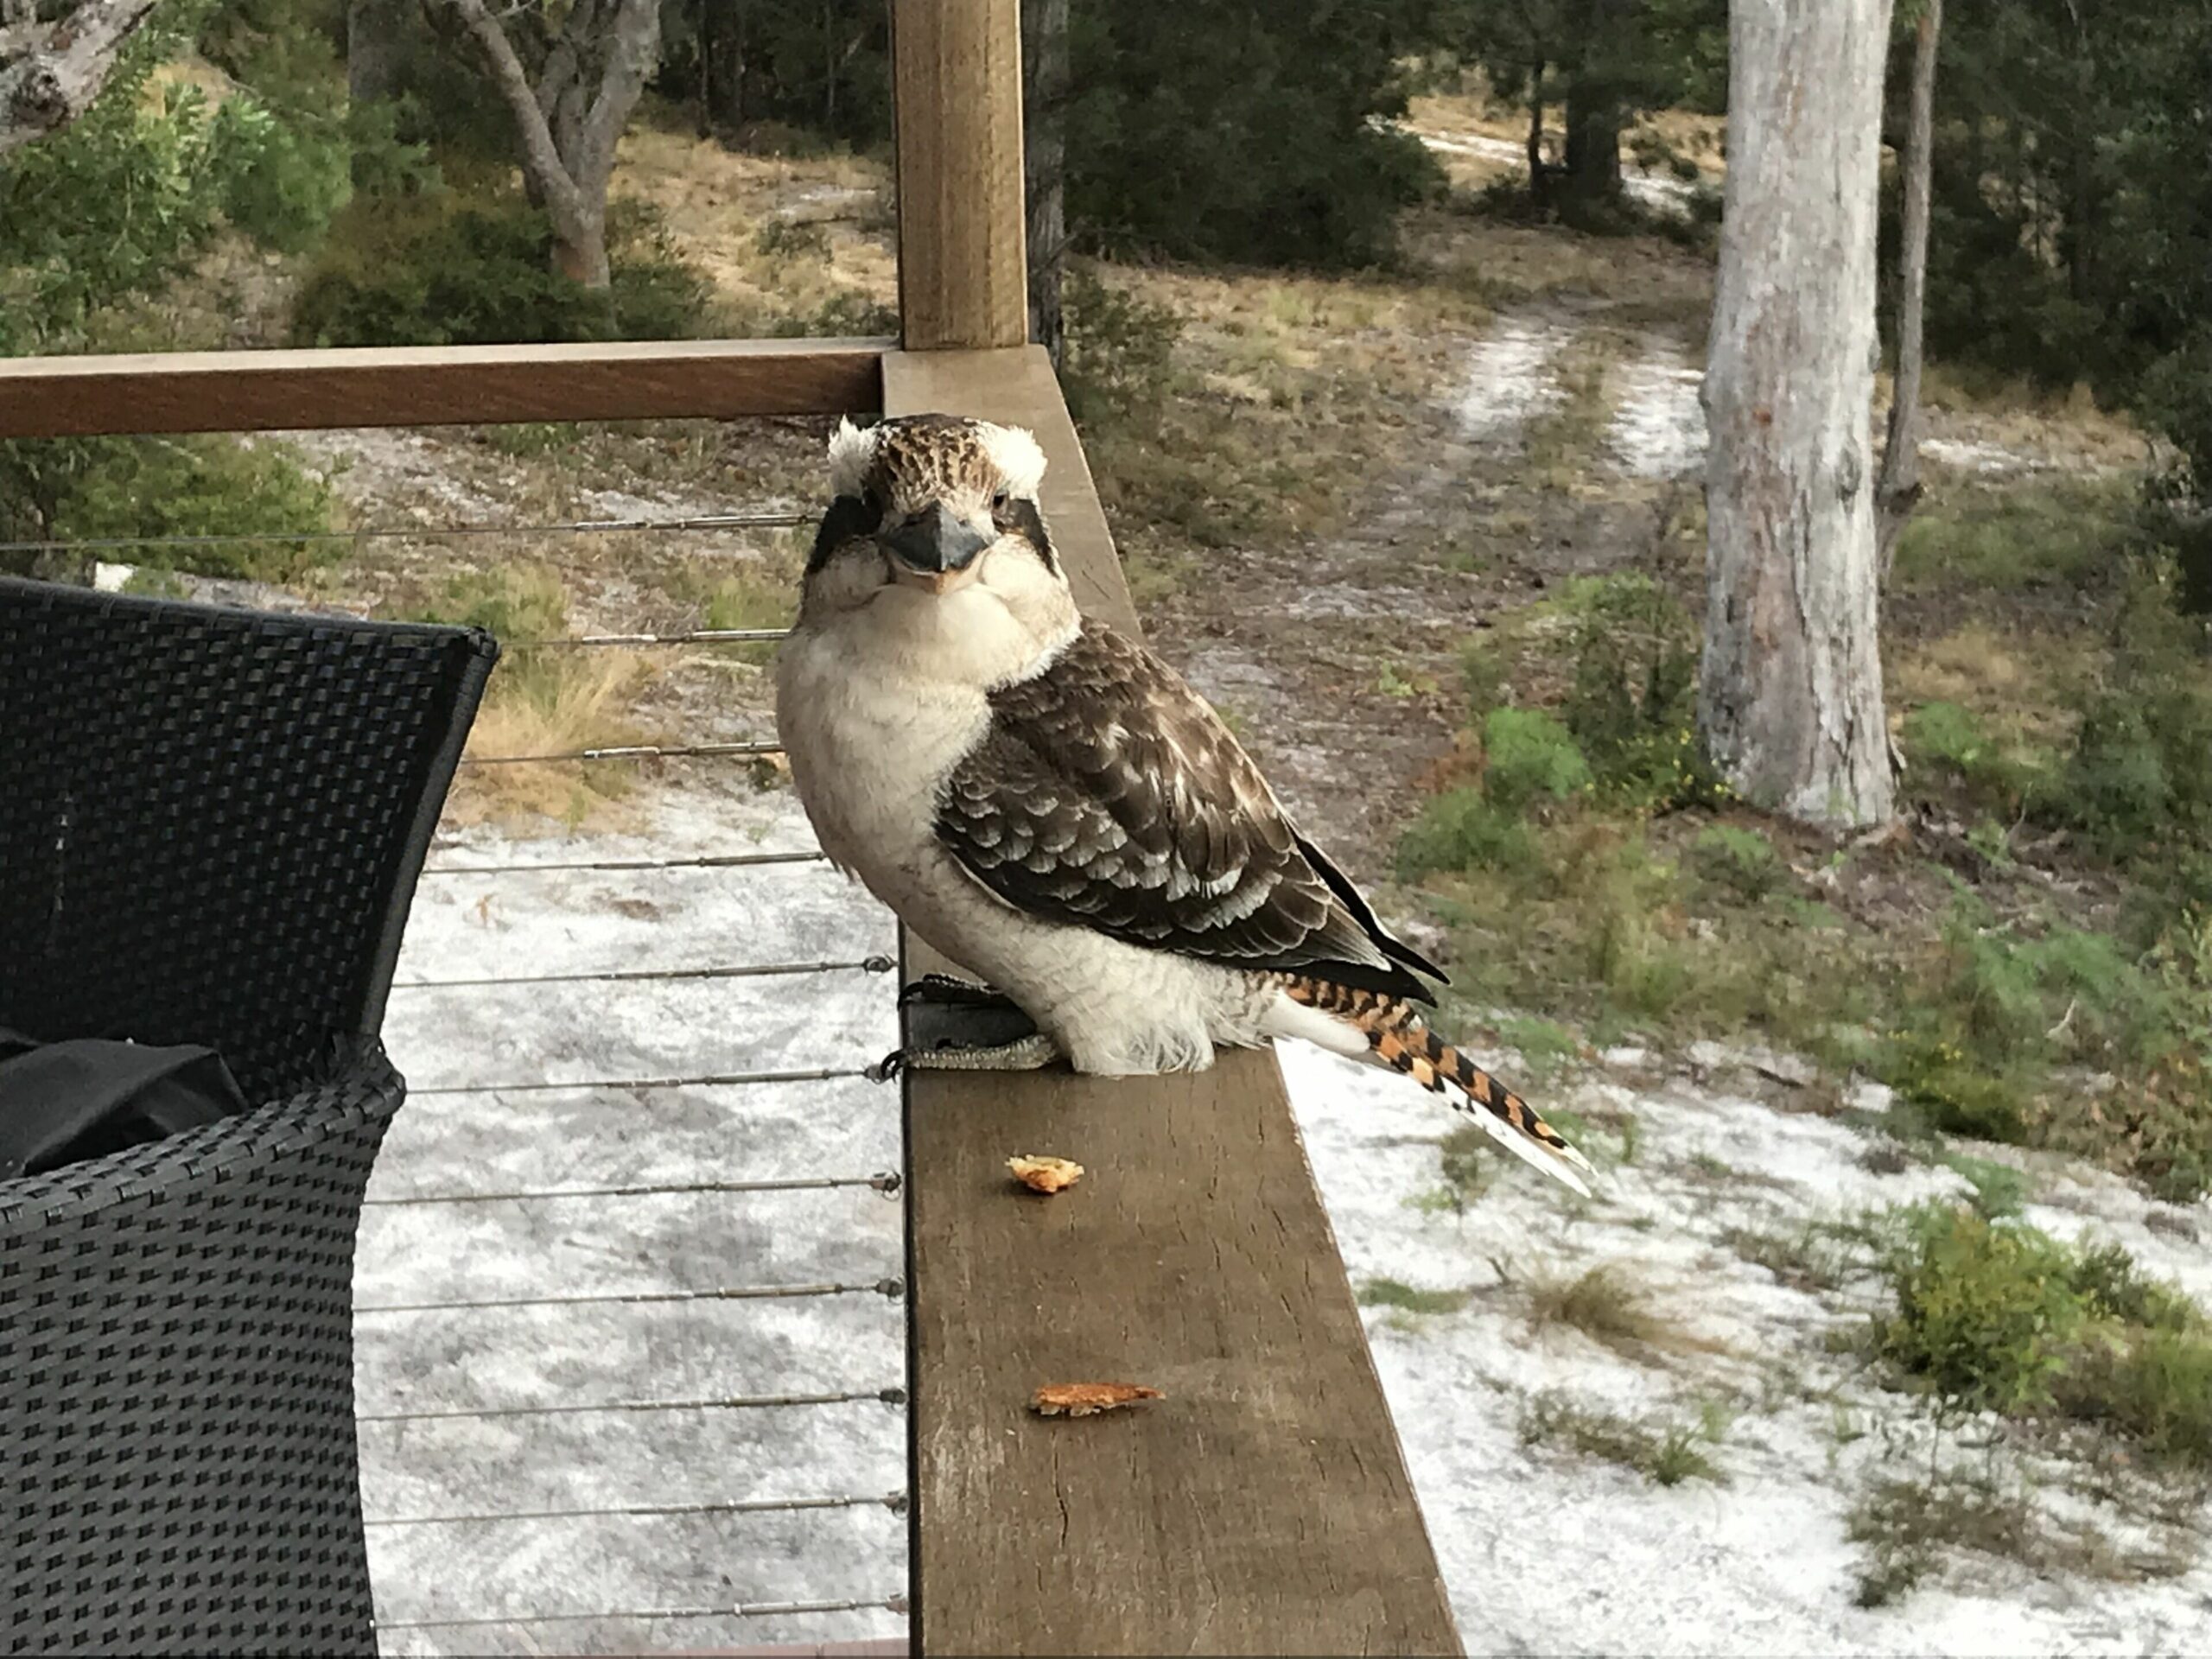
571 119
1897 492
1789 697
1044 92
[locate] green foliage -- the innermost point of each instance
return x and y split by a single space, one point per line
1945 742
1606 62
2018 537
2136 781
515 604
1529 758
2153 1386
1118 360
782 76
283 181
1633 705
2000 1190
2072 236
1993 1316
452 268
1666 1454
1984 1312
202 486
1241 133
1463 829
1741 863
1389 1292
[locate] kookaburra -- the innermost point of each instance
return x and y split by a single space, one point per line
1046 802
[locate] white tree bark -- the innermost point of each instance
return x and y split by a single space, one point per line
1897 492
571 121
51 72
1790 698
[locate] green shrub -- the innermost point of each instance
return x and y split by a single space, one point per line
1950 1093
1461 830
1633 708
2111 1284
1740 864
1945 741
1118 357
1528 757
846 314
1984 1310
194 486
282 182
2153 1386
449 267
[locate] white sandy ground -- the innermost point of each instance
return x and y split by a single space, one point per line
1656 429
1543 1552
1652 189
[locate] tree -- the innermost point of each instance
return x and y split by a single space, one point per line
1605 61
1242 132
1045 91
51 71
571 120
1790 696
1897 492
377 48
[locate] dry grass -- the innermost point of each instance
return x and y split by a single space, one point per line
2023 675
584 701
1605 1306
1906 1524
781 237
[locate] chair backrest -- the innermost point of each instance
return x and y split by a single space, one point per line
212 820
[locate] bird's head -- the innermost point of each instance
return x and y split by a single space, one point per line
926 508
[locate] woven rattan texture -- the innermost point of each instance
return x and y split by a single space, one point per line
177 1468
205 814
210 826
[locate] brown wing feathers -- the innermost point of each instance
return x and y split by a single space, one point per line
1108 793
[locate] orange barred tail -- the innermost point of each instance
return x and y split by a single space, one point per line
1399 1037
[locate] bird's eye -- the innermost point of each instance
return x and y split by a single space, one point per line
999 499
873 499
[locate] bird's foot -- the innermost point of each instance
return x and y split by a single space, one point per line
1029 1053
946 990
952 1025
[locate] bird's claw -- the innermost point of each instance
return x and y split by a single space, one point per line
943 990
887 1068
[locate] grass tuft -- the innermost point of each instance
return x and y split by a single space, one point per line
1666 1454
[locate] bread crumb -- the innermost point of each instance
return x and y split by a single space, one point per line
1044 1174
1083 1399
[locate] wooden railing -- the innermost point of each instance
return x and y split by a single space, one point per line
1263 1506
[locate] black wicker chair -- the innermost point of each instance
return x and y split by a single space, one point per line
210 824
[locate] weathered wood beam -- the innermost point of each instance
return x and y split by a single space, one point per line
963 276
1263 1506
407 385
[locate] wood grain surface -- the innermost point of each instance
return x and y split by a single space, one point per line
1263 1506
963 277
275 391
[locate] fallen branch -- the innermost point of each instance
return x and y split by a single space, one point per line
50 72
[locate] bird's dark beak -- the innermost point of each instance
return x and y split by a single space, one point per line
935 543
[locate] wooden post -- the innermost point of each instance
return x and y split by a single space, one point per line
956 89
1262 1507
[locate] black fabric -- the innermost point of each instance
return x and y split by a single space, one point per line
211 824
63 1102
